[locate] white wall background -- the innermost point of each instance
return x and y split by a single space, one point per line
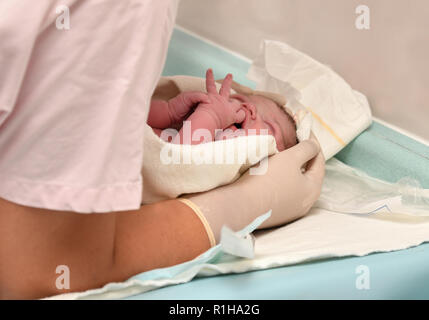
389 62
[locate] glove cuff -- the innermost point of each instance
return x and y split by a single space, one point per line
203 219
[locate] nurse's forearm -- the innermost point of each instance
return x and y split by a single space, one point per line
95 248
156 236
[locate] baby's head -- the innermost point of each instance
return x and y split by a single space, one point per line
264 113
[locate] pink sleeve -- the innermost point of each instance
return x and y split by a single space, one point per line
73 102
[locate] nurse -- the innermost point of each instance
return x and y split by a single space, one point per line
72 106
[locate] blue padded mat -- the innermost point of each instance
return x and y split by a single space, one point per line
378 151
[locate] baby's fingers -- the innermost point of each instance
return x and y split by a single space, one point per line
226 86
210 82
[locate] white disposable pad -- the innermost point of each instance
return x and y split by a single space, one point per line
339 113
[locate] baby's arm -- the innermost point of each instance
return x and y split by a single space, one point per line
159 114
165 114
202 119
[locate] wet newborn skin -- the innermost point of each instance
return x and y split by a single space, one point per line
241 114
263 113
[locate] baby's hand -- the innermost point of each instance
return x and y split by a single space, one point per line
223 110
182 104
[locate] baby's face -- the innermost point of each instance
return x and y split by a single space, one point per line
263 113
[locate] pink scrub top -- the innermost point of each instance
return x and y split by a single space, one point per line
73 101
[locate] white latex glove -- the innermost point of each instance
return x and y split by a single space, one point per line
285 189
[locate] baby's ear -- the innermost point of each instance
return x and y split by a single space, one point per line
251 107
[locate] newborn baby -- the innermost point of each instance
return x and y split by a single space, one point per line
221 116
201 134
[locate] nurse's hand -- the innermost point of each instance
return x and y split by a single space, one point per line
284 188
